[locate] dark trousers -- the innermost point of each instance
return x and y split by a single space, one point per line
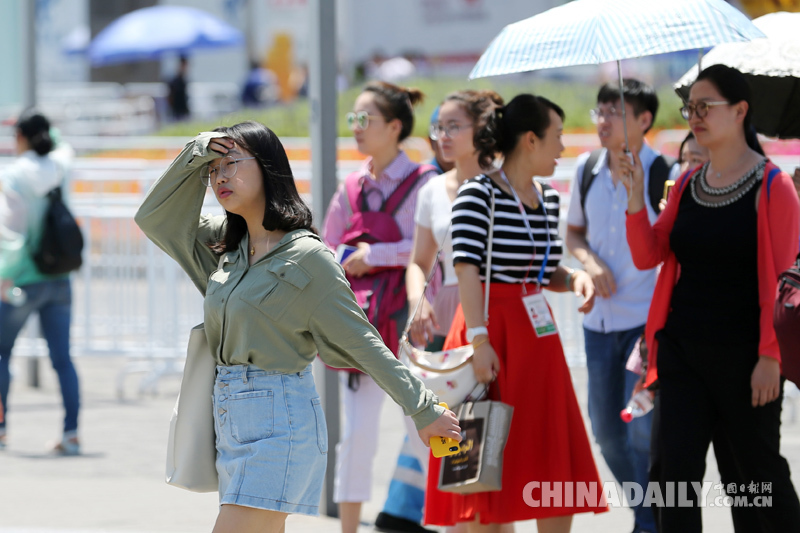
745 519
705 394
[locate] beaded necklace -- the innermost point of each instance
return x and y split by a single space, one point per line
742 186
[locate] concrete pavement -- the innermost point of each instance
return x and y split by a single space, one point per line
117 485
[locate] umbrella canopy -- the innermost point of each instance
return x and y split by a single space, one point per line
147 34
772 66
587 32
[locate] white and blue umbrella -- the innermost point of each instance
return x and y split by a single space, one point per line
585 32
149 33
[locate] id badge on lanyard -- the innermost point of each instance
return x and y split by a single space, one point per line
535 304
539 314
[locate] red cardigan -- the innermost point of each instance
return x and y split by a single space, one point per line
778 235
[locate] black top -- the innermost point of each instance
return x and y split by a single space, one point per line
716 297
512 248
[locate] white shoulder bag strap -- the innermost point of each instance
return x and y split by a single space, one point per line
404 336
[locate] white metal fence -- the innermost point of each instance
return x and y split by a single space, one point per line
131 299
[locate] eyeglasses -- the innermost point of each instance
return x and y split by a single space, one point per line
437 131
701 108
227 167
360 119
607 114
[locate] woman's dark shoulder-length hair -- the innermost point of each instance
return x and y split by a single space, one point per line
285 210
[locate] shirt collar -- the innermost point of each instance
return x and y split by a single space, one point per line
244 244
395 171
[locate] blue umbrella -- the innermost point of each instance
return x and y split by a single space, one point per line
587 32
147 34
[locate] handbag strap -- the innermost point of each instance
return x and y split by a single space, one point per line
489 258
404 336
425 288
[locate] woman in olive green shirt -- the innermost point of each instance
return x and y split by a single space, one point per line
274 298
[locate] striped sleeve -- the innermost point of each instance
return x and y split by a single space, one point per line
471 221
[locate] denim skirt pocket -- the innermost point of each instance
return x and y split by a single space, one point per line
251 416
322 428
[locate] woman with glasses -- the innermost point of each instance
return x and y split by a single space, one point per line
519 351
452 130
274 299
729 228
458 118
461 115
370 221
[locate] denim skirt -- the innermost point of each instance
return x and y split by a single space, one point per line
272 441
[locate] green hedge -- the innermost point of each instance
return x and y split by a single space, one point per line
575 98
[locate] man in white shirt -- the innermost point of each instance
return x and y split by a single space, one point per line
596 237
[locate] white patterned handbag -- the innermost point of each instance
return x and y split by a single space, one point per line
448 373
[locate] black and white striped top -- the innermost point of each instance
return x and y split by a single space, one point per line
512 248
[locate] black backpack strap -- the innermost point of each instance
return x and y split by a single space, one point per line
659 174
588 176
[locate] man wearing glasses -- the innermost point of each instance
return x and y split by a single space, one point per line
596 237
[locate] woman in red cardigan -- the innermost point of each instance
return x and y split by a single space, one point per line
729 228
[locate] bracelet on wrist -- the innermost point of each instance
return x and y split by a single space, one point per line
568 279
476 344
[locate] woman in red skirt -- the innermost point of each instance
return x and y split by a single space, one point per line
519 350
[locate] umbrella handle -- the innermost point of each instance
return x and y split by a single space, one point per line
622 103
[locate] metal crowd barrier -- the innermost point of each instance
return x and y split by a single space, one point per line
131 300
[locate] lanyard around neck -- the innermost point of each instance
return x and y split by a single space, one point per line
522 212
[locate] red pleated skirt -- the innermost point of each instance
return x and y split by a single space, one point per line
547 441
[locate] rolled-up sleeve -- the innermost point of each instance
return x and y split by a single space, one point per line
170 214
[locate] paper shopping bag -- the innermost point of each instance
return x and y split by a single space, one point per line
478 467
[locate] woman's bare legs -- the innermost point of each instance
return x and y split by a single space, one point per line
350 516
477 527
461 527
557 524
240 519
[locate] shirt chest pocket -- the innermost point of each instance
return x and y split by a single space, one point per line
221 276
279 285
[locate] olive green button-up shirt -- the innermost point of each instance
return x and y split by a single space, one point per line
280 312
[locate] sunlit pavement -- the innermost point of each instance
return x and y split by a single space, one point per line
117 484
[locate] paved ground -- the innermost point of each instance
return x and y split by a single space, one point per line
117 484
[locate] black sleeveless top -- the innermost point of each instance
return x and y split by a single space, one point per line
716 300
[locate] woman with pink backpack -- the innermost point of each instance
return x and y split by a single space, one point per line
370 224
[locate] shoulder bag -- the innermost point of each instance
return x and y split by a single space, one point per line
191 450
448 373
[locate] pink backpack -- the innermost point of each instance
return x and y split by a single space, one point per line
382 292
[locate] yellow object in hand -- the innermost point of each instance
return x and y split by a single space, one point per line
444 446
